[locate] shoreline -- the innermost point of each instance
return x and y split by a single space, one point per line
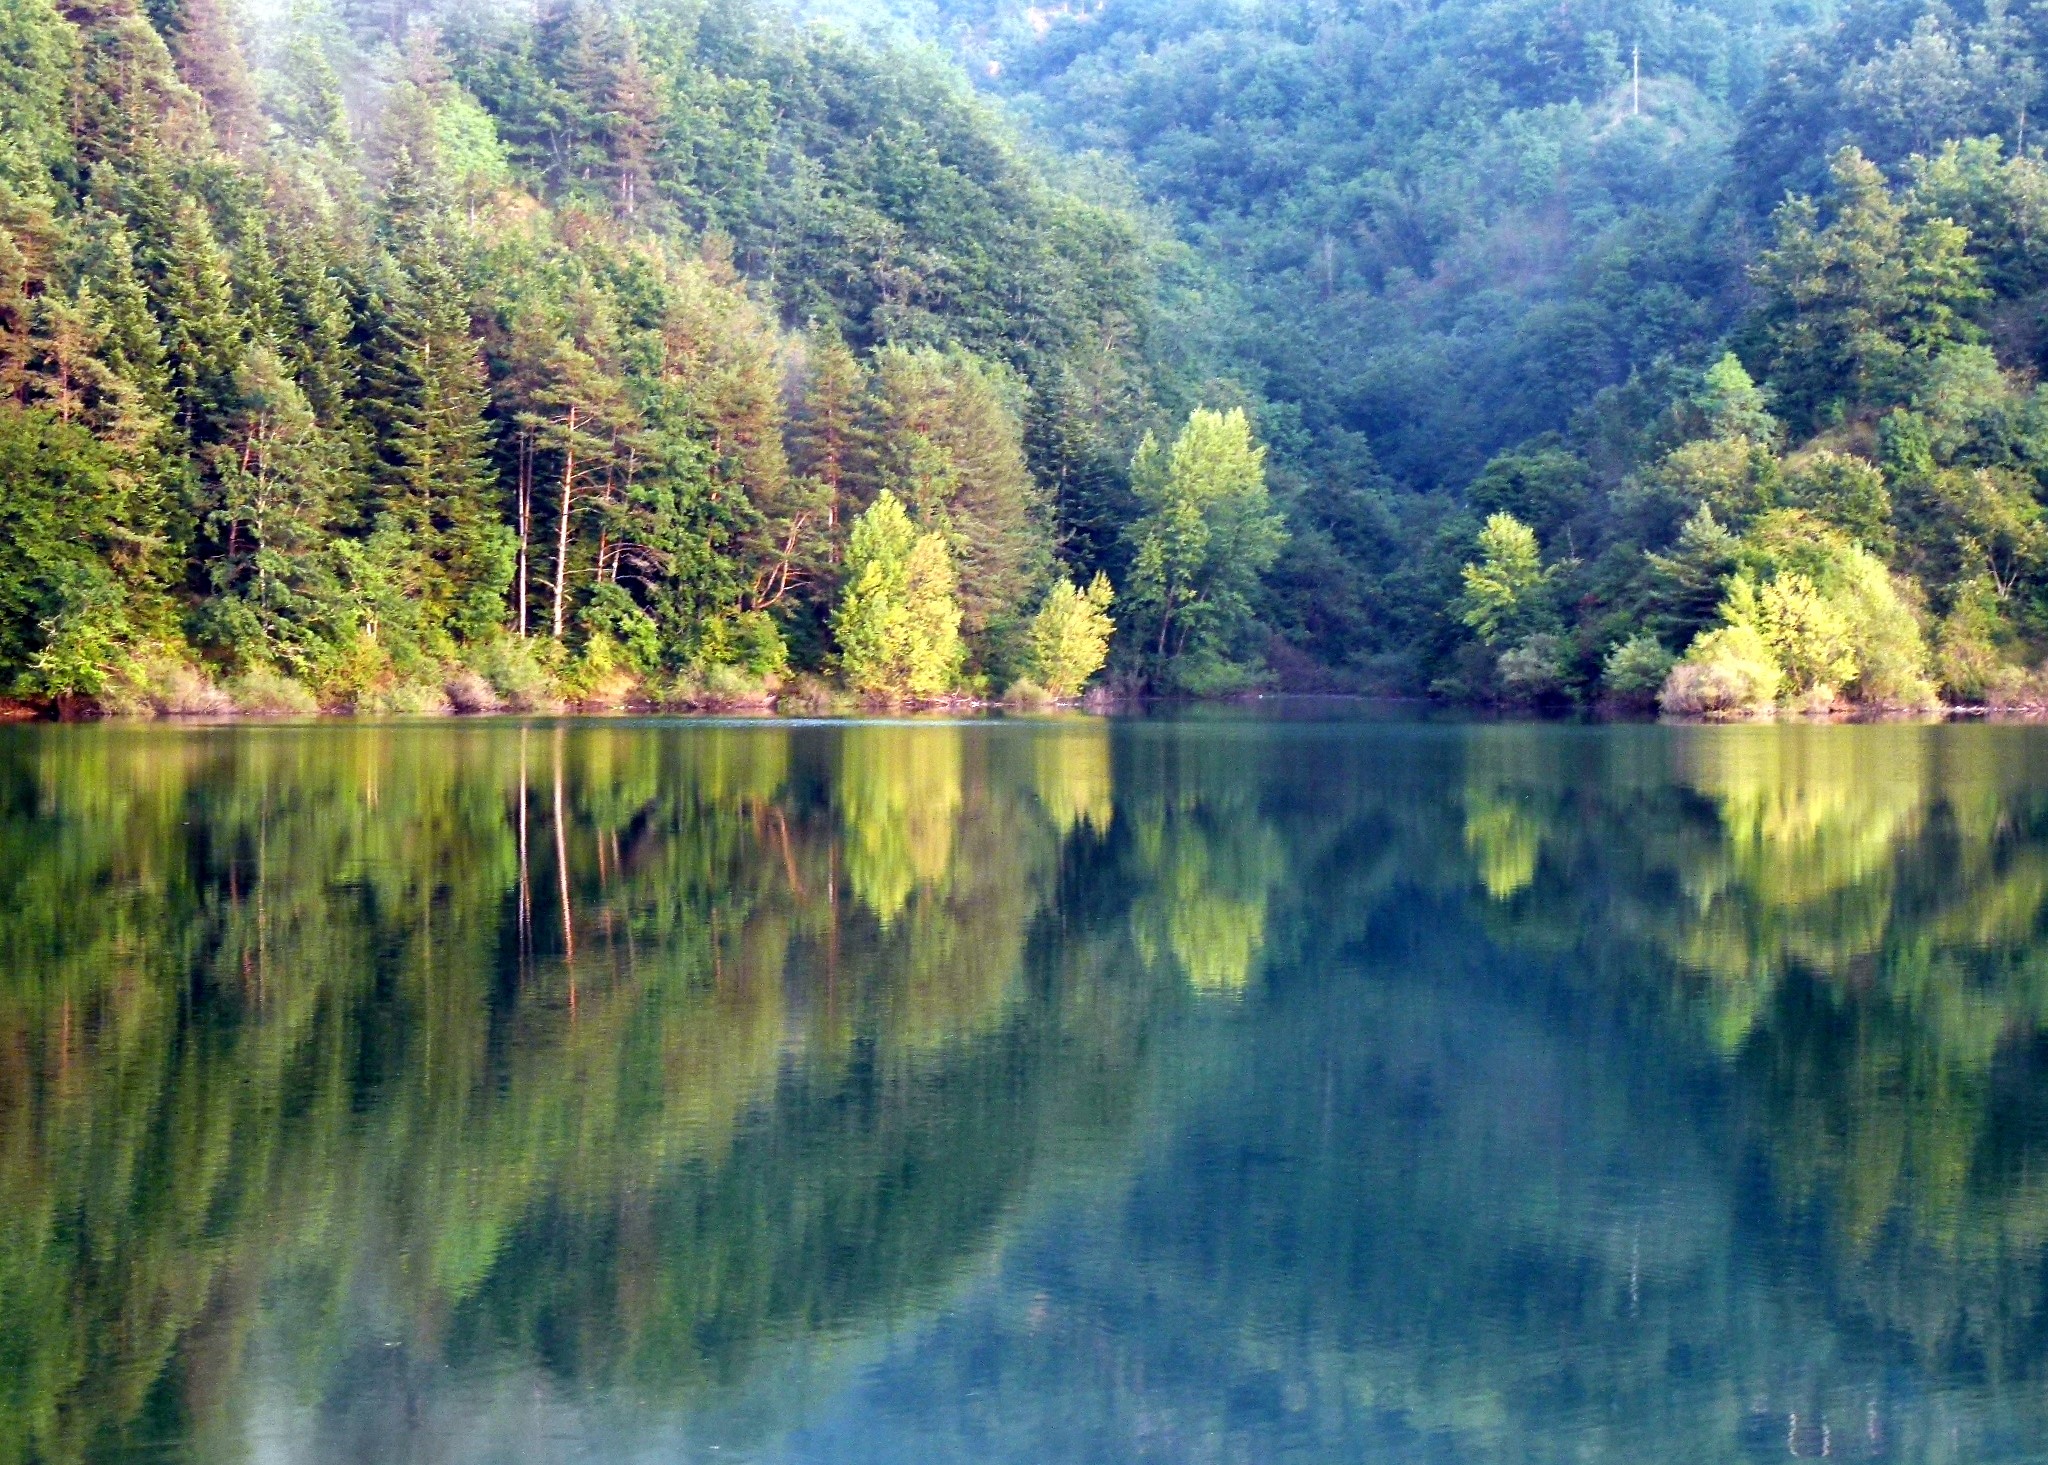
769 709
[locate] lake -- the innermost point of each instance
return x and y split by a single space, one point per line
1223 1087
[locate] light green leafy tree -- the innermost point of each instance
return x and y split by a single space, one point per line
1069 637
1207 533
1504 589
898 620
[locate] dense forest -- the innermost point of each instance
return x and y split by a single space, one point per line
381 360
1591 338
400 357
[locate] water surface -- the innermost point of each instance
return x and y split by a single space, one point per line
1213 1089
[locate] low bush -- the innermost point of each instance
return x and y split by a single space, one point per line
161 684
470 692
405 699
1728 672
266 692
1026 695
1635 670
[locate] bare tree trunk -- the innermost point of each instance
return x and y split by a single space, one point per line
562 523
525 523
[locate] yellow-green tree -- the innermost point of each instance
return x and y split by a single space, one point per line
1069 637
898 621
1504 590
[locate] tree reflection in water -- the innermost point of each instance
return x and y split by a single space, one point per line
1206 1088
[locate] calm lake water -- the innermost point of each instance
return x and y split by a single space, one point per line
1212 1089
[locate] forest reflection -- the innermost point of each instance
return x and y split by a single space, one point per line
338 1063
1855 920
475 1019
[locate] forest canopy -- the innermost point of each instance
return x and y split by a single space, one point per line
397 357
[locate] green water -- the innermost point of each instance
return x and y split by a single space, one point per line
1213 1089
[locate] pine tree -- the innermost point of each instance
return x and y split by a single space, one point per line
278 487
574 430
829 437
435 478
632 123
203 337
208 48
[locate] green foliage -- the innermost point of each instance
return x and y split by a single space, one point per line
1068 640
1536 670
1205 534
1635 669
62 614
1729 671
601 325
500 340
1504 591
1970 645
898 620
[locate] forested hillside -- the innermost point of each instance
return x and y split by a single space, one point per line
388 356
1582 332
378 357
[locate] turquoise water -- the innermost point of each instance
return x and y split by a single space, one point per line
1223 1088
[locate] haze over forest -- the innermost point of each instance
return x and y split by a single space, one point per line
392 357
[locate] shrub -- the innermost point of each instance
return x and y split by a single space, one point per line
515 671
1966 646
1026 695
1635 670
731 688
748 640
605 673
809 696
470 692
1534 670
1727 672
160 683
266 692
405 699
1205 673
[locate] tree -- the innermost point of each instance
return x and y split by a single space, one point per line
1504 592
948 441
1733 403
278 484
898 621
1069 637
1206 533
61 611
435 478
1850 305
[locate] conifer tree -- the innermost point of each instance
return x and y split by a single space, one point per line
203 336
632 122
830 443
278 484
435 478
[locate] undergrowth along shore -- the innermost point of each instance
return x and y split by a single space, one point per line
168 687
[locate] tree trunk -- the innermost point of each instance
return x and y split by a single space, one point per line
562 524
525 523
